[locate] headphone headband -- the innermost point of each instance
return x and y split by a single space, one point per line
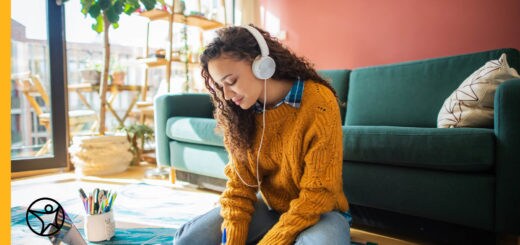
264 50
263 66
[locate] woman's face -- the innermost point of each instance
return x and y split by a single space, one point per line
236 80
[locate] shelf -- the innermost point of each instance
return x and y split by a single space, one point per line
191 20
142 104
154 62
156 14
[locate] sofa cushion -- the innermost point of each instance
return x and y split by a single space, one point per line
455 149
194 130
410 94
199 159
471 104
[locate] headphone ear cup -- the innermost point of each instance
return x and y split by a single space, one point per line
263 67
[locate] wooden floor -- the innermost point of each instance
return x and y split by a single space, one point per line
136 175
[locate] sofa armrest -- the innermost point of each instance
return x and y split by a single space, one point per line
507 132
170 105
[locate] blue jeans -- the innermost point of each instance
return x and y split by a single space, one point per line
333 228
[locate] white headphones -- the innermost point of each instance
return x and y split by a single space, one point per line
263 65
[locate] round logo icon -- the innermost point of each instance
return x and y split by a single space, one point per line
45 216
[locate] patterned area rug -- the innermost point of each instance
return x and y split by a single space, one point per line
144 214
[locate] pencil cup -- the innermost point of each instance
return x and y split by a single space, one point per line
100 227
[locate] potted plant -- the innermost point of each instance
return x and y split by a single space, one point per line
117 77
137 135
91 74
104 154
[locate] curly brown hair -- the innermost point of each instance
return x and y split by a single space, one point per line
237 124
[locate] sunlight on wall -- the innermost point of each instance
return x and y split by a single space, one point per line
238 17
270 22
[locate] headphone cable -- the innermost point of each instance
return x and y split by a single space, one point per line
258 181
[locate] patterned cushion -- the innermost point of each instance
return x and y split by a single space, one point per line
471 104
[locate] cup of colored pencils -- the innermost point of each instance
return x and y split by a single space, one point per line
99 219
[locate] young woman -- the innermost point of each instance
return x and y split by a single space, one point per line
283 135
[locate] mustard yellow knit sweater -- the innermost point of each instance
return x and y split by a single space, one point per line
300 167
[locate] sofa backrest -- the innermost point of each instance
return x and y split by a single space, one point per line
412 93
339 81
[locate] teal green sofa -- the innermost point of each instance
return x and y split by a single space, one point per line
395 159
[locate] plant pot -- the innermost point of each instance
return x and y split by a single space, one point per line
100 155
118 78
90 76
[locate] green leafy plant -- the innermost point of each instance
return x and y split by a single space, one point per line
117 72
138 135
112 9
106 13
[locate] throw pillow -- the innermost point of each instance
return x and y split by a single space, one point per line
471 104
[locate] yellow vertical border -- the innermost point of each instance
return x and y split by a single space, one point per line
5 124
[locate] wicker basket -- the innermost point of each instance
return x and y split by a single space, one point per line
100 155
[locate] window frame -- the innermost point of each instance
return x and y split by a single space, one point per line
58 78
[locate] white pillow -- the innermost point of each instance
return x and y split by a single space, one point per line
471 104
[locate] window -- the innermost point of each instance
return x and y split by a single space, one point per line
38 119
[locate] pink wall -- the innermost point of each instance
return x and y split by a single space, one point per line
355 33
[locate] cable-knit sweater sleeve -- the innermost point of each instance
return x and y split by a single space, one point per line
237 202
322 176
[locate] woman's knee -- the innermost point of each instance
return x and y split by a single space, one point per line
204 229
333 228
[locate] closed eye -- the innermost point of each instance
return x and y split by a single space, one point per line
227 82
231 83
